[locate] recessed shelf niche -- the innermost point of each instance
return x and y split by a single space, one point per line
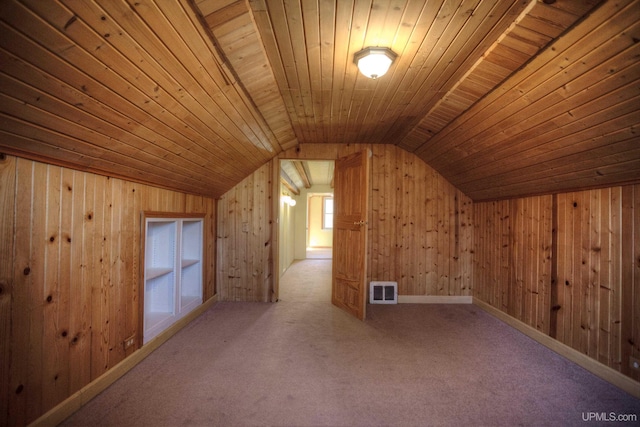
172 270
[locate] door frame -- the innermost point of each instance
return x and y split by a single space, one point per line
275 213
332 156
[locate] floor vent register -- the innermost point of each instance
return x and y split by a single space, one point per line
383 293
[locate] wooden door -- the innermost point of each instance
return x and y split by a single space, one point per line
351 181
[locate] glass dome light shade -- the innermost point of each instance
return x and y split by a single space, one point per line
374 62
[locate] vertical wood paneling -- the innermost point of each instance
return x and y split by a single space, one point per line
516 292
37 296
604 290
586 309
80 290
617 275
245 239
7 227
465 217
69 278
442 261
55 295
422 231
98 289
19 386
545 265
130 257
592 304
431 232
420 226
512 245
391 232
628 346
102 284
377 214
634 295
113 324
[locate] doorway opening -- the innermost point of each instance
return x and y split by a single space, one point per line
305 218
348 229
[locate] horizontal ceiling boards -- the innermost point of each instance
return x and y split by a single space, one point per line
504 99
136 90
566 120
451 56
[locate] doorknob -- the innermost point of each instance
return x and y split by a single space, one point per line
359 222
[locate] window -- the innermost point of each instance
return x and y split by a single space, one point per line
327 212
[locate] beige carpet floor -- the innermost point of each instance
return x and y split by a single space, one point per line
303 362
319 253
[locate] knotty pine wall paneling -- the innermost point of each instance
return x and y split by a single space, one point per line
420 229
568 265
420 226
69 278
7 230
246 238
513 246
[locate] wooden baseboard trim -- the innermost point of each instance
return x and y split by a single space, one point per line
603 371
434 299
80 398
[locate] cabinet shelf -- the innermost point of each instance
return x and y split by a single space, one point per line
172 266
189 262
154 272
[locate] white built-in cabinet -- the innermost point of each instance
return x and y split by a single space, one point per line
173 271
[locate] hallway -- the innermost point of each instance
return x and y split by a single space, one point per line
307 281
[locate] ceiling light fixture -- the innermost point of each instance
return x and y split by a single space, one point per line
374 62
286 199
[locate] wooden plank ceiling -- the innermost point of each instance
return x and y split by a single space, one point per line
128 89
504 99
299 174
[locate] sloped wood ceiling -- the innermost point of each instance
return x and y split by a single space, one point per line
568 120
503 98
128 89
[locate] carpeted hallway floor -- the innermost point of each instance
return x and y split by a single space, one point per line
303 362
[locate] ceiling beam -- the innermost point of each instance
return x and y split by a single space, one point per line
288 182
226 14
303 171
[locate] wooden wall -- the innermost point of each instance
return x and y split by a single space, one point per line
420 231
420 227
567 265
512 246
247 238
69 278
